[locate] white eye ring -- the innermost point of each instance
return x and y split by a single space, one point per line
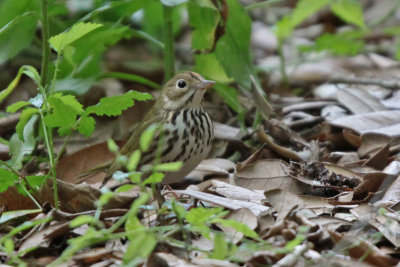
181 84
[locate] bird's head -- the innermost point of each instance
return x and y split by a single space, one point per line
185 89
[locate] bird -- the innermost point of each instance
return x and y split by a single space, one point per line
187 130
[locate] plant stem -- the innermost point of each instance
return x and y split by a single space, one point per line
30 196
169 57
49 146
45 44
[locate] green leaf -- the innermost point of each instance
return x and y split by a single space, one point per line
220 250
168 167
338 44
19 149
86 125
112 146
65 109
23 120
7 179
155 178
134 160
74 85
236 43
124 188
147 137
35 181
17 105
4 93
238 226
10 9
114 105
10 215
303 10
349 10
116 10
173 2
140 247
25 69
200 215
62 40
81 220
230 96
82 59
203 18
17 35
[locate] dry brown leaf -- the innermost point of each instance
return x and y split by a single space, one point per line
167 259
388 226
212 167
284 152
77 198
283 202
358 100
360 248
268 175
236 192
384 122
393 192
380 159
353 139
373 182
307 106
244 216
43 237
83 160
372 142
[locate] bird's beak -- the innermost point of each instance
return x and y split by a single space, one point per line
205 84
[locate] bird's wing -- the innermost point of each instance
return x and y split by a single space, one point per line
133 142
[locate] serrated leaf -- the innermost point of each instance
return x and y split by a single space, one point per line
16 106
349 10
69 100
7 179
147 136
32 73
23 120
65 110
114 105
86 125
62 40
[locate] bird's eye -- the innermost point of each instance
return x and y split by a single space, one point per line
181 84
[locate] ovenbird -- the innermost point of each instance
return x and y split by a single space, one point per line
187 130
